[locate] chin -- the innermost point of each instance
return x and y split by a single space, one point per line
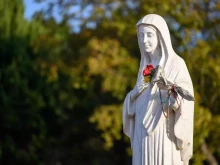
147 51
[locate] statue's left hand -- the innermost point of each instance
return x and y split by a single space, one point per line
174 105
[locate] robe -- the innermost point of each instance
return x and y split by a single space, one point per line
155 139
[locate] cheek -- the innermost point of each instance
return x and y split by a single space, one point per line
141 39
155 41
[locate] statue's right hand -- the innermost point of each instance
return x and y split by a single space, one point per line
139 87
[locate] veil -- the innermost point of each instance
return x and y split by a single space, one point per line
164 41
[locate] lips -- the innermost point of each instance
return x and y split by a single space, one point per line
146 45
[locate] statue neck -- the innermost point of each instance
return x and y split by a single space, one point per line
155 57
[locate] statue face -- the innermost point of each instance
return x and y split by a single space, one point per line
148 38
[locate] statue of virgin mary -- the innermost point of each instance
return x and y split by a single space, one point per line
156 138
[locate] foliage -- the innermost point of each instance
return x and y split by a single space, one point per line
62 92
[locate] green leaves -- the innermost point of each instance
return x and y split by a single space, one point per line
108 119
108 59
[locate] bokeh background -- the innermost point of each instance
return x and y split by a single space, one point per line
66 66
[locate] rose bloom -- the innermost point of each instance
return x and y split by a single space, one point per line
147 70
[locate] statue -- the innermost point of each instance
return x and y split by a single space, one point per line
158 112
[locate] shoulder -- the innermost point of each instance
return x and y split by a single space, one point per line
178 59
183 76
178 62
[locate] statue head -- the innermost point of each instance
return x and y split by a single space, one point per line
148 38
155 26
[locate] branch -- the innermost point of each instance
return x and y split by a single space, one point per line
210 158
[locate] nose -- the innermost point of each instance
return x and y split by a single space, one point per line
145 38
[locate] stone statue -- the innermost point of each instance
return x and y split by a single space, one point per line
158 120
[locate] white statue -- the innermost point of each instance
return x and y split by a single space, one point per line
158 122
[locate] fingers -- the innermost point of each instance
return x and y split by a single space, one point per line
139 87
173 103
142 85
162 86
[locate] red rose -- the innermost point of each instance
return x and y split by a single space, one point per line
147 70
150 67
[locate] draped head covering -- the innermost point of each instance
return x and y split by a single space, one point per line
164 40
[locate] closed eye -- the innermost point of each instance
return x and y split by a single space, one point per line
149 34
141 34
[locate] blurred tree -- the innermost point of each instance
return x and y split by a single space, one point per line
23 132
